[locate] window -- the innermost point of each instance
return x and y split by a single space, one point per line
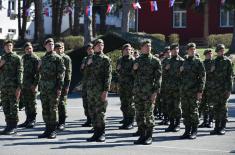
12 31
179 16
0 30
11 7
226 18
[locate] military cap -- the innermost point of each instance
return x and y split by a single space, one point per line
174 45
48 40
207 51
219 47
147 41
167 48
58 45
7 42
27 44
125 46
190 45
98 41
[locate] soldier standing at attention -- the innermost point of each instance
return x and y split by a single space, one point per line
90 53
51 84
173 90
147 70
192 86
11 69
206 107
126 83
99 74
30 83
223 76
59 48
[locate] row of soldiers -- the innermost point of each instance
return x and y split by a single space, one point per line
182 85
20 78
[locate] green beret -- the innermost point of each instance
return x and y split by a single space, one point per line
190 45
125 46
27 44
8 42
48 41
207 51
167 48
219 47
174 45
98 41
147 41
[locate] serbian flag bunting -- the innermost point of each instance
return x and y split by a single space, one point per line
153 5
222 2
171 3
136 5
27 12
109 8
89 10
197 2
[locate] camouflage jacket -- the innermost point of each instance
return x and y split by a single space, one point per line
165 76
223 74
124 70
52 72
11 71
68 70
98 72
83 69
147 75
210 68
193 75
31 72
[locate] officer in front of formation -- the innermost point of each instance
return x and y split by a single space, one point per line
51 84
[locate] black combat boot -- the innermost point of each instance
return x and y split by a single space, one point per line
216 129
87 123
221 130
46 133
52 131
91 131
26 122
141 139
165 121
61 124
177 125
186 134
193 134
6 129
32 122
100 135
205 122
171 126
148 138
10 129
210 122
94 137
137 133
128 124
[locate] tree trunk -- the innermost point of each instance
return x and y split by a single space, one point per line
87 24
55 16
94 22
39 21
103 18
61 10
206 22
125 15
70 18
232 47
77 14
19 18
26 5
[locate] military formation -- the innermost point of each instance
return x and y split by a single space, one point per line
170 86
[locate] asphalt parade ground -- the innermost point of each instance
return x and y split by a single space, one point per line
72 141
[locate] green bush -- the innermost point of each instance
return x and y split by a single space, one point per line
159 36
114 55
215 39
73 42
173 38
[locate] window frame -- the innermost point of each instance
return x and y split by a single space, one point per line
227 18
180 12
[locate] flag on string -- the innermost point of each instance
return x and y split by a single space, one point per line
89 10
27 12
153 5
47 12
197 3
171 3
109 8
222 2
69 9
136 5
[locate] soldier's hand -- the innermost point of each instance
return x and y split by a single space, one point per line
39 64
181 69
82 66
119 67
167 67
153 98
199 96
136 66
58 93
18 90
66 90
33 88
104 96
89 61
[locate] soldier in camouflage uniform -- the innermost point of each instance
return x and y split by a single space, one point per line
99 73
223 76
90 53
192 86
51 84
164 87
11 70
206 107
59 48
30 83
126 82
173 88
147 70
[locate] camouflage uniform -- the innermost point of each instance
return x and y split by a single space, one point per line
126 83
30 78
146 83
12 75
172 93
223 76
98 80
193 75
52 77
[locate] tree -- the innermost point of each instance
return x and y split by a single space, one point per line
126 5
87 23
77 15
39 21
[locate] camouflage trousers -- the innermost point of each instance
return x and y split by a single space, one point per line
172 100
220 109
127 104
62 106
96 108
164 106
189 106
85 103
206 106
9 104
28 98
144 111
50 103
